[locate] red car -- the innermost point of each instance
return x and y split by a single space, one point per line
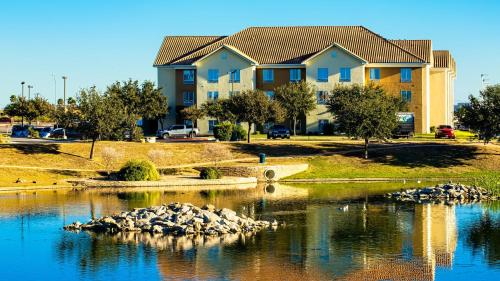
444 131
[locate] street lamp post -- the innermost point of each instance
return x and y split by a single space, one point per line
64 101
22 88
29 91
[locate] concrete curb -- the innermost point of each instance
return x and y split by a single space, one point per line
231 182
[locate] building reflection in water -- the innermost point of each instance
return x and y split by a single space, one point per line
371 241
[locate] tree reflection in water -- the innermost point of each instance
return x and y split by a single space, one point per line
484 237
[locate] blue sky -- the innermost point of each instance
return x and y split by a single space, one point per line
99 42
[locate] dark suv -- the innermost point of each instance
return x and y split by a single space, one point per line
278 131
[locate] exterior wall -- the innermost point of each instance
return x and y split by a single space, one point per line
166 81
224 65
281 77
326 60
390 79
439 97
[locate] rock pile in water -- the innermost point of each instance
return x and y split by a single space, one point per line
449 193
175 219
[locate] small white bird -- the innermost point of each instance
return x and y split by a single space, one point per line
344 208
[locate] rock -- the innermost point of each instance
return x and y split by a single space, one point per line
208 207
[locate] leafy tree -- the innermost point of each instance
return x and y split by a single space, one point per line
192 113
218 109
296 99
365 111
18 107
139 101
254 107
67 117
38 107
101 115
483 113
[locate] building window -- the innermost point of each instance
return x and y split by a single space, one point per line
232 93
345 74
321 97
268 75
213 76
188 77
234 76
322 123
211 125
270 95
188 98
405 74
322 75
374 73
294 75
406 95
188 123
213 95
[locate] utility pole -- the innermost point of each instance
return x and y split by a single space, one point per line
22 88
64 101
29 91
55 90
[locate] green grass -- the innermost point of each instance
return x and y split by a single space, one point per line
490 182
453 161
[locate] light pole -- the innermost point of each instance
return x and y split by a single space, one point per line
29 91
55 89
22 88
64 101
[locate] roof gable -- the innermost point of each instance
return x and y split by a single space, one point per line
175 47
332 46
231 49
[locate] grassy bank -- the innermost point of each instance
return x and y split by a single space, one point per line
327 159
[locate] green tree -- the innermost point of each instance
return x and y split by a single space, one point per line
18 107
365 111
254 107
101 115
296 99
218 109
38 107
192 113
483 113
138 101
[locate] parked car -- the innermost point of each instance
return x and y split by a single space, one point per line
178 131
44 132
405 126
19 131
5 119
444 131
278 131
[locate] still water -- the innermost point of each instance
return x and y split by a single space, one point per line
372 240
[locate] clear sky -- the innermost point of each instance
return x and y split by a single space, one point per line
98 42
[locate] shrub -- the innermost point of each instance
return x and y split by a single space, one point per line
223 131
329 129
4 138
210 173
109 157
239 133
433 129
33 133
137 134
139 170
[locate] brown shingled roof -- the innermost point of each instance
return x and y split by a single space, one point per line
294 44
420 48
175 47
443 59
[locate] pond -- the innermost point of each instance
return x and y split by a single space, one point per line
371 239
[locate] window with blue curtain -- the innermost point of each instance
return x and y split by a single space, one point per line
213 76
188 98
322 75
188 76
406 95
405 74
270 95
374 73
212 95
294 75
211 124
345 74
234 76
268 75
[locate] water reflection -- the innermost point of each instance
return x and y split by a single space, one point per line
373 240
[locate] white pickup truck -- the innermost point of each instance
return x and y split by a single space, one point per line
178 131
